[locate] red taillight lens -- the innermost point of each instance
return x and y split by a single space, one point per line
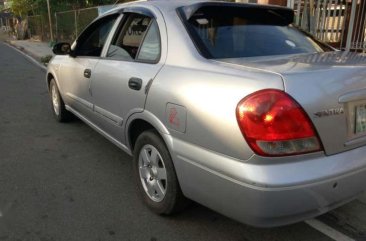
274 124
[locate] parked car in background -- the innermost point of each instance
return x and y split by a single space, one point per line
226 104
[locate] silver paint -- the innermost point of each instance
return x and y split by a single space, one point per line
214 164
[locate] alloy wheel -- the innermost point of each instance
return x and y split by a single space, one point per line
55 99
153 174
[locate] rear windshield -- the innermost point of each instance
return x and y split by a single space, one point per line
232 32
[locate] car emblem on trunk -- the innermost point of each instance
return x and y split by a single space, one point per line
329 112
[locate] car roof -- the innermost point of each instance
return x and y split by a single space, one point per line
168 5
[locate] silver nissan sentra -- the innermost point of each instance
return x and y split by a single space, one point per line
226 104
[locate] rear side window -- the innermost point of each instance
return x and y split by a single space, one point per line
226 32
150 49
138 38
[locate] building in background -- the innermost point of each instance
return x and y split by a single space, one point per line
5 16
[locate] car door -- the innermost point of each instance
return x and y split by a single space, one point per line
76 70
120 78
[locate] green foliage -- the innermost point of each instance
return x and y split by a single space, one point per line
39 7
21 7
46 59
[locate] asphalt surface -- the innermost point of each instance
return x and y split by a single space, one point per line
66 182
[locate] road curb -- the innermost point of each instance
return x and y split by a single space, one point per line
26 54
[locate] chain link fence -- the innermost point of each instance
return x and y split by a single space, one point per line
36 28
66 26
69 24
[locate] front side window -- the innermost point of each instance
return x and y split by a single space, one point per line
227 32
92 40
137 39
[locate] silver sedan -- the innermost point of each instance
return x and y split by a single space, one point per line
225 104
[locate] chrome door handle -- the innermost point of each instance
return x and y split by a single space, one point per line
135 83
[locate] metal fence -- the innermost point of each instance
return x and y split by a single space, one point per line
342 23
69 24
36 27
66 25
357 39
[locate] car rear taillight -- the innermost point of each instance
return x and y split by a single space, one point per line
274 124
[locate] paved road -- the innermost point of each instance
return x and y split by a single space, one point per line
66 182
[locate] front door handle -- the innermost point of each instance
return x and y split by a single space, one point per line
87 73
135 83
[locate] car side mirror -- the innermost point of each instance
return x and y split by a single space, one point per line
61 49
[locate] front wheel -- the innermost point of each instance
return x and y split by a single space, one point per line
155 175
58 105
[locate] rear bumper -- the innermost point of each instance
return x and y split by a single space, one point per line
275 203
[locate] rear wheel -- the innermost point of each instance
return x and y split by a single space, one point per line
58 105
155 175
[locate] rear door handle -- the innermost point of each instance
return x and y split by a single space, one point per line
87 73
135 83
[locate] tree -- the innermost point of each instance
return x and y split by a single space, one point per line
32 7
22 7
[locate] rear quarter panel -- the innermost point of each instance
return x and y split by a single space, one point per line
209 99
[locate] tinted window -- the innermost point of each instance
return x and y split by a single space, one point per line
92 41
126 44
224 33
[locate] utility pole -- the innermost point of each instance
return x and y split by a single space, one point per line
50 19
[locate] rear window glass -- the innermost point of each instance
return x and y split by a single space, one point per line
225 32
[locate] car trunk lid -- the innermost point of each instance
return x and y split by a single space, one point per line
331 87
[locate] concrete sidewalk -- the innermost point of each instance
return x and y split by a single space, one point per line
35 49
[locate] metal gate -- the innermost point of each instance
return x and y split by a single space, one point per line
341 23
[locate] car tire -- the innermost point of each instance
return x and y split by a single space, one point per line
155 175
58 105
